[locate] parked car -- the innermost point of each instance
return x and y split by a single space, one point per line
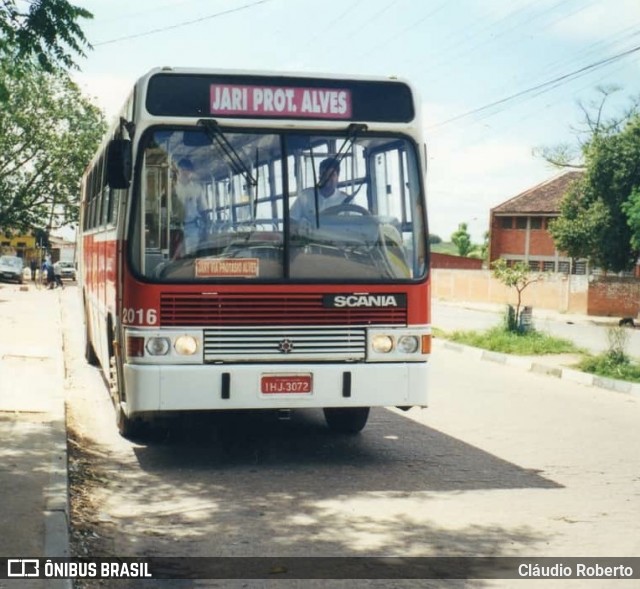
67 270
11 268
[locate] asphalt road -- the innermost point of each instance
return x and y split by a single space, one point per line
504 462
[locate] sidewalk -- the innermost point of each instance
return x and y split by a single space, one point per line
555 365
33 470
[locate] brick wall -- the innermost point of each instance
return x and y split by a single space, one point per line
541 243
514 241
614 297
507 241
449 261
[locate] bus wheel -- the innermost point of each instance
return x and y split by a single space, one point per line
89 352
346 420
128 427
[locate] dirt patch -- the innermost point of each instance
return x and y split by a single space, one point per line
89 536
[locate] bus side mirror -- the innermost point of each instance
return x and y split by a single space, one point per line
119 163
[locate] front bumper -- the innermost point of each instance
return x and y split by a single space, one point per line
153 389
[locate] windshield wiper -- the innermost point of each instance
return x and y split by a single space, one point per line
212 128
353 131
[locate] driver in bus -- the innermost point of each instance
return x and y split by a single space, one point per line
191 200
328 193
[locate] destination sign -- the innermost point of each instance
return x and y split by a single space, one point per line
278 101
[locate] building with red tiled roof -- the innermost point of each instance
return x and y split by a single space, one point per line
520 227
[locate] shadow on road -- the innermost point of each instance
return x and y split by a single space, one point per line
392 453
238 485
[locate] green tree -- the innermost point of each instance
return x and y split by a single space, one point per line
484 249
433 238
518 276
632 209
582 225
48 133
42 238
462 240
597 214
44 31
480 251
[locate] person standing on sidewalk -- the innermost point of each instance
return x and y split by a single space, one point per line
47 269
57 275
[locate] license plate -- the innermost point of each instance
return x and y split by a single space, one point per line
286 384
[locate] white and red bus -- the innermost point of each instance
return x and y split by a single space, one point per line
263 310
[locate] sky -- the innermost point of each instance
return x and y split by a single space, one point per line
498 80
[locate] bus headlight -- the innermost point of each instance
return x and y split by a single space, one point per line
382 344
408 344
163 347
398 344
158 346
186 345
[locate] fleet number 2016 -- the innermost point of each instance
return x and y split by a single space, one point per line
140 316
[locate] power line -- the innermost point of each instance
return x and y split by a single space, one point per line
333 48
447 56
320 30
482 138
362 26
549 83
182 24
552 86
616 43
405 30
156 8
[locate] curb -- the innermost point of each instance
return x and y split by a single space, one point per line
56 510
584 378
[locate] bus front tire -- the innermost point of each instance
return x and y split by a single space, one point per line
129 428
89 352
346 420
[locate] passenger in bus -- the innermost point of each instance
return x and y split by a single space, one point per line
328 193
191 201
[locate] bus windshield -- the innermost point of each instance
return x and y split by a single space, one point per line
220 205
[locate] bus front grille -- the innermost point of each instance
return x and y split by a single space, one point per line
241 309
284 344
